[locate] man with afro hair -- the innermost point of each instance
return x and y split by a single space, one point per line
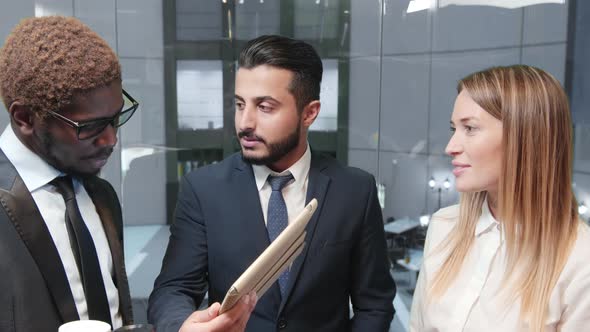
61 237
61 250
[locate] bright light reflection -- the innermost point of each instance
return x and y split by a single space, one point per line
424 220
419 5
511 4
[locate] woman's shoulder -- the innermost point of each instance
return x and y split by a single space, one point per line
579 253
440 225
573 286
447 214
569 302
577 268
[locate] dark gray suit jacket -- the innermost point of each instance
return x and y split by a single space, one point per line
219 230
34 291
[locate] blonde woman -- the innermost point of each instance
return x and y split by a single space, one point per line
513 255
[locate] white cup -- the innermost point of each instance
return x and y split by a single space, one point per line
85 326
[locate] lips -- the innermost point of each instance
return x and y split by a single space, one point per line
99 162
249 142
459 168
102 155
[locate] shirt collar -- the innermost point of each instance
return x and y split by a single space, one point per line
34 171
299 170
486 220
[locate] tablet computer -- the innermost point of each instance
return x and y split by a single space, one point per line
279 255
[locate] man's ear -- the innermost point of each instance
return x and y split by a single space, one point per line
22 117
310 113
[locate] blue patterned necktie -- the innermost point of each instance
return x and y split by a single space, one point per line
277 217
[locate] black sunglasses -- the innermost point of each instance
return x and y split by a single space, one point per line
90 129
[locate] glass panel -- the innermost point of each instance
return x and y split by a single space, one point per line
327 120
317 19
199 20
256 18
50 8
199 94
4 118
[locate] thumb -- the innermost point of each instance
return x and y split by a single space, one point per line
203 316
213 310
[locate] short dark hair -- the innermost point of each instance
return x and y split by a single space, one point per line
294 55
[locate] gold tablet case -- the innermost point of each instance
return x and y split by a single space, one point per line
267 268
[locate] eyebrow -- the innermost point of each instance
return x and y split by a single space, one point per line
267 98
83 122
463 120
259 99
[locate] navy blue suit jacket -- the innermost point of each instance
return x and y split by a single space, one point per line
219 231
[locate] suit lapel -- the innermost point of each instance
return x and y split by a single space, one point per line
250 208
104 204
317 187
28 222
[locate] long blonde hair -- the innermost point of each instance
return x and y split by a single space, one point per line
536 204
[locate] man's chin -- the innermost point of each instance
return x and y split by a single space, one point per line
254 158
79 171
85 172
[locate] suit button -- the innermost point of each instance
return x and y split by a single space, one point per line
282 323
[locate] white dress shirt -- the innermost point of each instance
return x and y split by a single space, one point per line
36 175
473 302
294 192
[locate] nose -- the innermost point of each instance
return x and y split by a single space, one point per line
108 137
453 147
246 119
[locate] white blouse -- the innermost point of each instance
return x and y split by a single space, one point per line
473 301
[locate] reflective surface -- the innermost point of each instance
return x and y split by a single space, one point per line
391 68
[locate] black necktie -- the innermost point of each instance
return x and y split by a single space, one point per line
85 253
